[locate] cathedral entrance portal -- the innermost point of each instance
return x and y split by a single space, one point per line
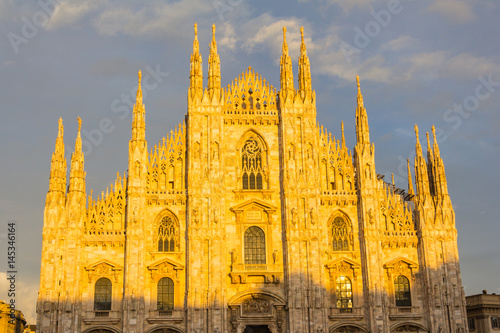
257 329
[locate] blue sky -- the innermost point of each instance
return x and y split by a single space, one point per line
426 62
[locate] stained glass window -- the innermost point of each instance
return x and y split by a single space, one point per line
343 290
165 294
102 295
402 291
255 246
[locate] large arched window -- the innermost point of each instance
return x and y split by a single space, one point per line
343 291
340 234
166 235
165 294
402 291
102 295
251 164
255 246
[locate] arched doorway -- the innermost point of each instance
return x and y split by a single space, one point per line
256 329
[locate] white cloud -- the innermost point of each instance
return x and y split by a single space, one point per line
347 5
270 35
400 43
456 11
156 19
229 37
69 12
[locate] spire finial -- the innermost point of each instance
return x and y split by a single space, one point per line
392 176
139 75
357 81
302 33
434 133
410 181
61 127
79 125
428 141
196 30
343 138
416 131
213 29
284 32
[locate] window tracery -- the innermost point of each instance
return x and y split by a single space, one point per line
251 163
167 233
340 234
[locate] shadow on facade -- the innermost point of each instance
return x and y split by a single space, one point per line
279 304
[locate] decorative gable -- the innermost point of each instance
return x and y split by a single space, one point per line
253 211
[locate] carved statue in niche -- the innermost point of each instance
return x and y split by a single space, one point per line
313 215
275 256
196 216
234 257
294 215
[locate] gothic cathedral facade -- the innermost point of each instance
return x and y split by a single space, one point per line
250 217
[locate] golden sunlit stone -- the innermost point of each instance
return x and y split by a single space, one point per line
250 217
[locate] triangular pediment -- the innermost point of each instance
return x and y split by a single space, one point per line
254 204
165 262
343 261
103 263
394 262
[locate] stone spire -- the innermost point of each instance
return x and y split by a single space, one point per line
305 89
77 173
421 174
286 73
439 180
57 183
410 181
362 129
196 71
430 163
214 88
343 137
139 115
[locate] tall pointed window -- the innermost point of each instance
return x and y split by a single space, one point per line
343 291
340 233
165 294
102 295
166 235
255 246
402 291
251 156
